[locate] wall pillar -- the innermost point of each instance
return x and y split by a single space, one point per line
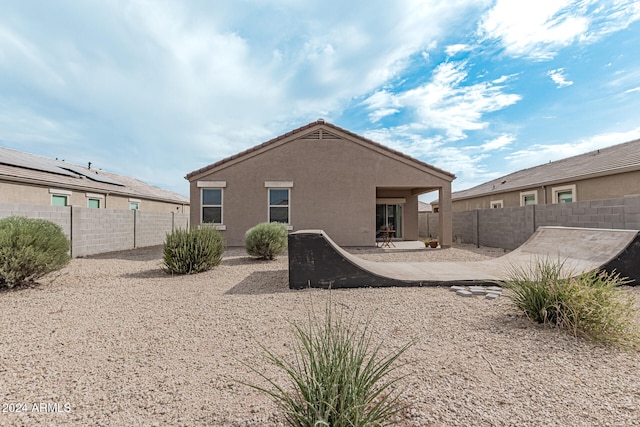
445 216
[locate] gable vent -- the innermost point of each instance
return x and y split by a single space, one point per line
321 134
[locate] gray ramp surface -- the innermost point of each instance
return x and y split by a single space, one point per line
317 261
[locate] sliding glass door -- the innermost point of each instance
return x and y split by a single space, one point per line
389 216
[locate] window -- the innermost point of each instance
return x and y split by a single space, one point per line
59 197
93 200
279 205
565 197
528 198
212 205
57 200
134 204
564 194
496 204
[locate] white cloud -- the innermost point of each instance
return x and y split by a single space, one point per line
446 103
454 49
539 28
499 143
559 77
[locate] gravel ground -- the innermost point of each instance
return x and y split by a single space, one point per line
113 341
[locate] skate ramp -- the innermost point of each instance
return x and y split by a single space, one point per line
317 261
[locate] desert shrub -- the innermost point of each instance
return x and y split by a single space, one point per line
266 240
29 249
193 250
591 305
337 377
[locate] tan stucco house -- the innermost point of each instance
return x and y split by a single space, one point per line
35 180
608 173
319 176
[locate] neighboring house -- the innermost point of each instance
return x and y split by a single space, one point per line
424 207
34 180
607 173
318 176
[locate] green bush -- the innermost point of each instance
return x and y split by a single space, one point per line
336 378
266 240
192 251
591 305
29 249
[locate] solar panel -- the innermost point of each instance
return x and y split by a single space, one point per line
90 174
30 161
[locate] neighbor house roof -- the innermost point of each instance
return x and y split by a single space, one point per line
309 129
424 207
18 166
606 161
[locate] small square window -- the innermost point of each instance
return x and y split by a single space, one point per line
134 206
528 198
57 200
565 196
93 203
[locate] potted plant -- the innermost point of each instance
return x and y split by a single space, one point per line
431 243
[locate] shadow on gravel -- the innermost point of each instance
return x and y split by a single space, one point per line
149 253
262 282
246 260
152 273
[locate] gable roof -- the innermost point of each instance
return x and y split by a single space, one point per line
314 130
605 161
18 166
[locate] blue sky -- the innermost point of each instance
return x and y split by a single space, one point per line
157 89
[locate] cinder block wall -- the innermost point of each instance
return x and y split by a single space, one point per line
508 228
152 227
95 231
465 226
428 225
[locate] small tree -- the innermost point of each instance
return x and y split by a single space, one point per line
266 240
29 249
192 251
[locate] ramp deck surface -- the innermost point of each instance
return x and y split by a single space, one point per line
315 260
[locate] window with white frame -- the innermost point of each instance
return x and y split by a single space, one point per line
59 197
93 200
212 205
528 198
564 194
496 204
134 204
279 205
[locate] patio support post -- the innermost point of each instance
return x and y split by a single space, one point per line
445 217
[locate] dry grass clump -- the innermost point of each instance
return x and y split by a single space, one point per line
337 377
592 305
